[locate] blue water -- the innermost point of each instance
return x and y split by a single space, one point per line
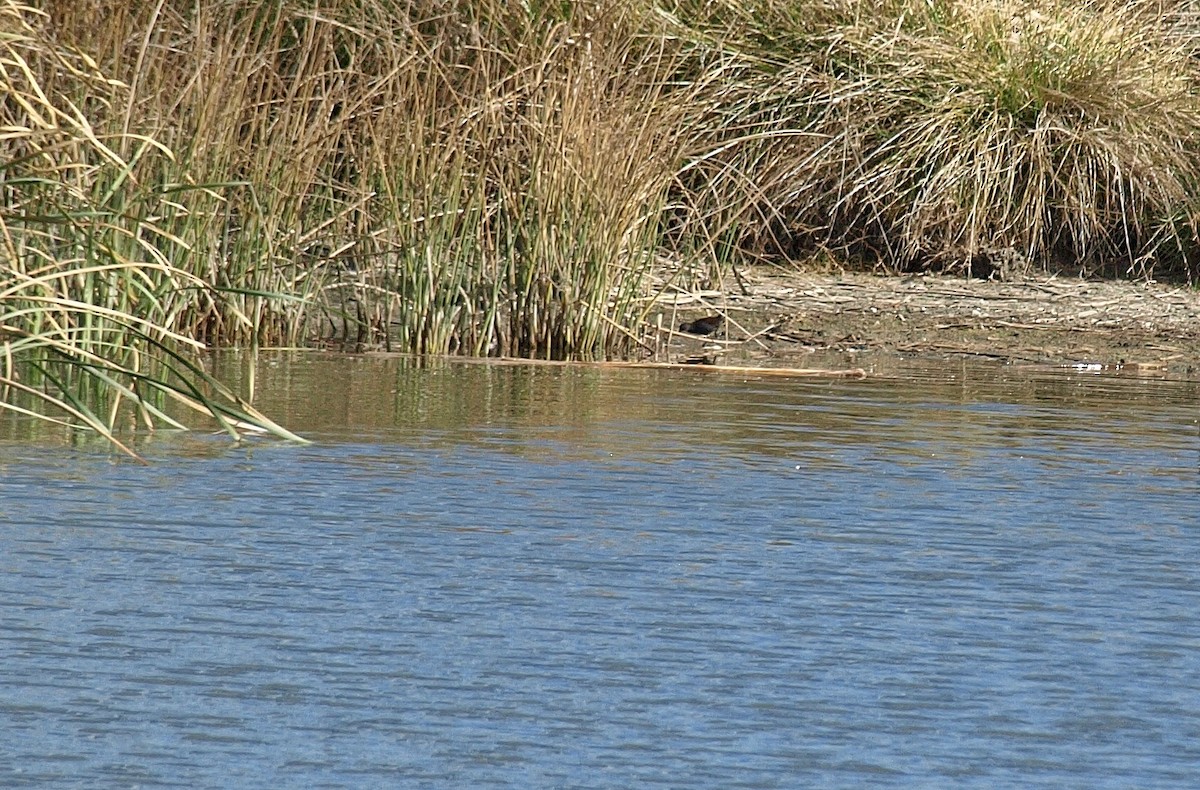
741 584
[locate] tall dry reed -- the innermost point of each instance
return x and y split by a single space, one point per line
436 177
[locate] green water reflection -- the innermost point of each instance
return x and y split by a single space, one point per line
928 406
924 406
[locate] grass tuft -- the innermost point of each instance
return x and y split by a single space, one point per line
90 301
921 134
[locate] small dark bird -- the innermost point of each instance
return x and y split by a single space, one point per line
703 326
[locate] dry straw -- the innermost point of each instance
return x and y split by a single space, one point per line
917 133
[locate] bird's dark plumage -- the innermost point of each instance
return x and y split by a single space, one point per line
703 326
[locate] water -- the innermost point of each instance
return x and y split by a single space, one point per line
486 577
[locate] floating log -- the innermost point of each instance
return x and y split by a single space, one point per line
736 370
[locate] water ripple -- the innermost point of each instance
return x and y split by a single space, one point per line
804 588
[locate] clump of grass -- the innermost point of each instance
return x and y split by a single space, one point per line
524 199
89 299
456 177
925 133
71 361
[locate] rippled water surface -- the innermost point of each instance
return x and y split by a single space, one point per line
546 577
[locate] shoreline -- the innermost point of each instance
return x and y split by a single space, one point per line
1064 321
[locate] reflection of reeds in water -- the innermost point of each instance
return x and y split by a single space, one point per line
543 409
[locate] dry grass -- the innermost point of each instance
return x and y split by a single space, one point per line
461 177
926 134
493 178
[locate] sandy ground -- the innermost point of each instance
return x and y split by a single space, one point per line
788 317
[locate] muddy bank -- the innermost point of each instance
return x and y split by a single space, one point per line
806 318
